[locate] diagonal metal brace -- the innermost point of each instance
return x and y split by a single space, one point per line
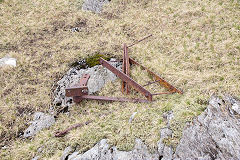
157 78
127 79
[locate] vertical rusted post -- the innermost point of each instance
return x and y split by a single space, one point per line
127 65
124 67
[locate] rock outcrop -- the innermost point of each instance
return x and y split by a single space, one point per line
99 76
165 151
102 151
215 134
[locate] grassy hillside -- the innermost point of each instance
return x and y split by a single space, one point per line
195 46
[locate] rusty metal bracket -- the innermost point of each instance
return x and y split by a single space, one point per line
78 89
127 79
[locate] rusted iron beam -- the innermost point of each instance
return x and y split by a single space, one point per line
139 41
127 79
77 99
124 68
64 132
157 78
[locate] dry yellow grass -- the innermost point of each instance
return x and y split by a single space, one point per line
196 47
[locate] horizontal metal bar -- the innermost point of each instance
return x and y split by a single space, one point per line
127 79
78 99
158 78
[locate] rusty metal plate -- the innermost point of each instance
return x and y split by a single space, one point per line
76 91
83 81
79 89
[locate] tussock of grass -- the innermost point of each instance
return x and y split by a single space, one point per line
195 47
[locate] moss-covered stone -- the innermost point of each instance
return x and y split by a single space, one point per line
94 60
90 61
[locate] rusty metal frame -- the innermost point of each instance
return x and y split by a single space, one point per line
80 91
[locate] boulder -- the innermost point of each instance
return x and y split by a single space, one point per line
7 61
94 5
40 121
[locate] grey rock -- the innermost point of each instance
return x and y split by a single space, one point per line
99 76
7 61
40 121
167 153
132 117
75 29
215 134
163 150
102 151
94 5
236 108
73 156
168 116
66 153
36 158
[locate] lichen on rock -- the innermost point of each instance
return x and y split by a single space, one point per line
40 121
95 6
215 134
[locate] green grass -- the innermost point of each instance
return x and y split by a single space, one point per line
195 46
